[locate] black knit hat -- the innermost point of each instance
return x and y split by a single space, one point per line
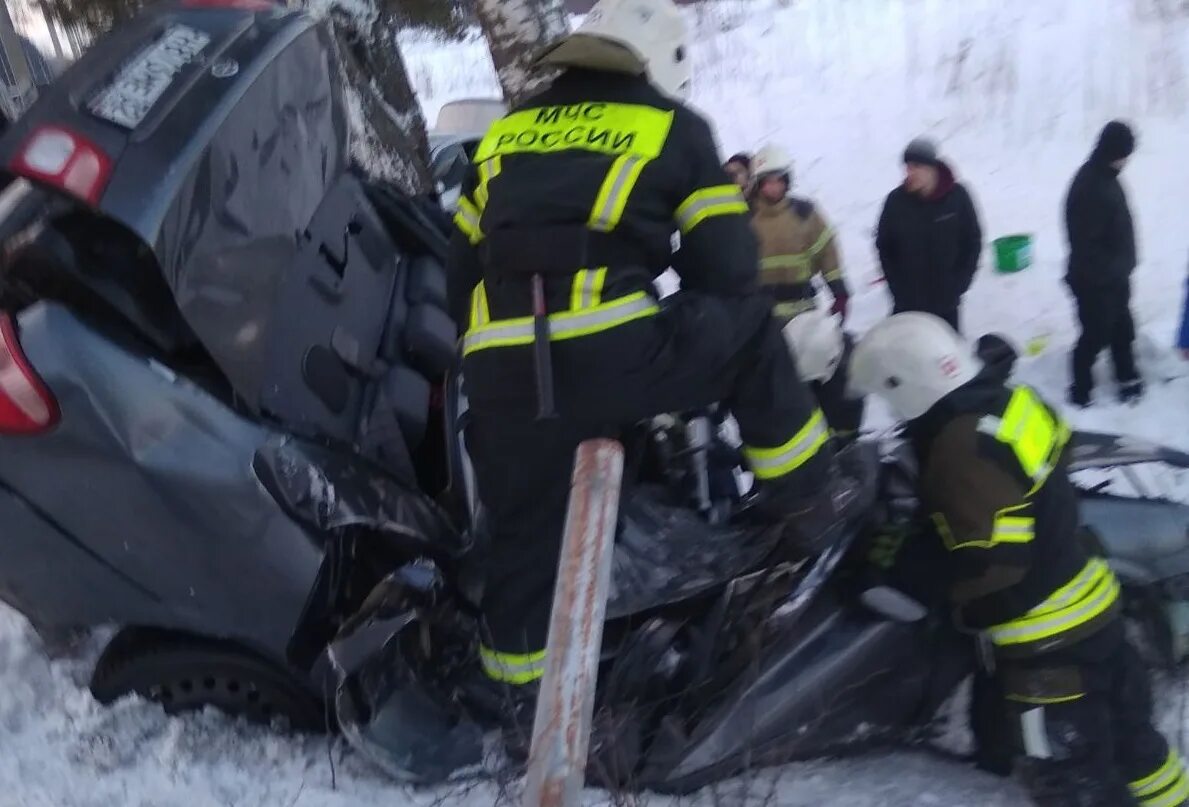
742 158
921 151
1117 142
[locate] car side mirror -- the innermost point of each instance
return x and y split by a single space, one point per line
893 604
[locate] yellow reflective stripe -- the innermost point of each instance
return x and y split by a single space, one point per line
587 290
822 241
563 325
512 668
479 313
1092 591
488 170
832 275
600 280
1091 575
1009 527
616 190
793 308
1039 701
800 261
604 128
1032 431
467 220
1174 797
1014 530
1079 588
577 289
1161 778
719 200
772 463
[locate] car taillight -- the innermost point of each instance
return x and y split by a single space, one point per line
26 406
67 161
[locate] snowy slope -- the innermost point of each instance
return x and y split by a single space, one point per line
1015 88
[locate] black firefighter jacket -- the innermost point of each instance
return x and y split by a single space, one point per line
929 248
585 186
598 170
994 483
1102 252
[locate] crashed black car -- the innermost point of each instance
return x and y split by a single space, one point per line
229 428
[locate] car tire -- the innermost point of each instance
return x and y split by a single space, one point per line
185 674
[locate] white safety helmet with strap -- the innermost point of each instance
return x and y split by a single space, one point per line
640 37
772 160
816 342
912 361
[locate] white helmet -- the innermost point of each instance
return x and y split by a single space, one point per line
630 36
912 361
816 342
772 160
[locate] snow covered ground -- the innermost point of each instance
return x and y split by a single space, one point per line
1015 89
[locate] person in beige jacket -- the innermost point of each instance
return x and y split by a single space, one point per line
795 241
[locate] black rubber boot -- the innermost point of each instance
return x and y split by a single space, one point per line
1130 392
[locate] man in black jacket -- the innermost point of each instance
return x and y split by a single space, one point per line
929 238
560 236
1102 256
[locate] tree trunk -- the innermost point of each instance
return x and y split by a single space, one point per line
516 30
74 35
51 24
387 127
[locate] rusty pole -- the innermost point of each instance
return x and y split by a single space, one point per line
561 730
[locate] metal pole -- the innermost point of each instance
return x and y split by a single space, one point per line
565 707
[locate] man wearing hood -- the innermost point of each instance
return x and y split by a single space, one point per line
929 239
1102 256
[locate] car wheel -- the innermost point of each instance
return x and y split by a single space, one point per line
186 674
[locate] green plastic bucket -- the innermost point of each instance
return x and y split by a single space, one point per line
1013 253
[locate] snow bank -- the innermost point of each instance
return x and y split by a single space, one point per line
1016 90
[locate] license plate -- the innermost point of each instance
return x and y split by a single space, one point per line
140 83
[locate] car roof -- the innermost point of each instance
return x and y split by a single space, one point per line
440 140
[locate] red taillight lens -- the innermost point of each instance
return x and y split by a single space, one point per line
26 406
66 161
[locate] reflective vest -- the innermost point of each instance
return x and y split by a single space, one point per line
1037 438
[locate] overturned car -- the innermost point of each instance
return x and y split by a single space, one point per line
230 427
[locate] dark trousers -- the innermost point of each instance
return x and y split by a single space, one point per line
1105 315
700 350
1084 719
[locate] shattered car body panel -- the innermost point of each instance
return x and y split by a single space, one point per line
249 454
145 495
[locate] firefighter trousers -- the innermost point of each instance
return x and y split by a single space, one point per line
699 350
1084 718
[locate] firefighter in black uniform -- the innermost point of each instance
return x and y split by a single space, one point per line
993 482
568 220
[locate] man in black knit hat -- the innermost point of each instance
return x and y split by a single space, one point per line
929 239
739 169
1102 256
